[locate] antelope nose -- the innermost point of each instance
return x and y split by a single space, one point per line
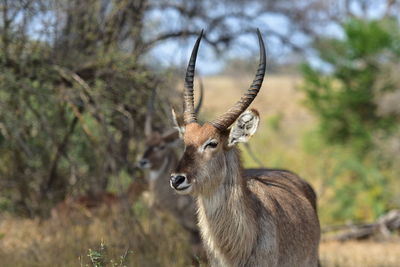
143 163
177 180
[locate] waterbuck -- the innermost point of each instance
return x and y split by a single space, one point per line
261 217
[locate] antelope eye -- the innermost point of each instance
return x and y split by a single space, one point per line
161 147
212 144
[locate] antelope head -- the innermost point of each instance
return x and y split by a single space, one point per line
158 148
209 154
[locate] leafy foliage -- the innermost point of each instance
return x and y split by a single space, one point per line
345 99
72 113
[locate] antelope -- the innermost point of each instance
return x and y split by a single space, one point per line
257 217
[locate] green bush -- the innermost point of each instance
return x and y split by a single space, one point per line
71 119
345 98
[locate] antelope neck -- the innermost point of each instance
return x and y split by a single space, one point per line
226 217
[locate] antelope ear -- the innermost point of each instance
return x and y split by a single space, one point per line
244 127
178 123
171 136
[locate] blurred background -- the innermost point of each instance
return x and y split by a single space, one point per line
75 82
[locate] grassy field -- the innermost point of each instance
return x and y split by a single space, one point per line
25 242
366 254
278 97
138 239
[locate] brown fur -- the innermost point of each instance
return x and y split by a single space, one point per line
248 218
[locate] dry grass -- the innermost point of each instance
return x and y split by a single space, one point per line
278 96
140 240
26 242
357 254
284 118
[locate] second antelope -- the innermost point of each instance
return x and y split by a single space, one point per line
251 218
160 158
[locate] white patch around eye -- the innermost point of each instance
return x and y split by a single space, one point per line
203 147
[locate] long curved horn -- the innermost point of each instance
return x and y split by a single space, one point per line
198 107
189 114
226 120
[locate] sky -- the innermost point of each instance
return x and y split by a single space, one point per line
173 53
177 53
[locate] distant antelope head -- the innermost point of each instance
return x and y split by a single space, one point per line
199 170
159 146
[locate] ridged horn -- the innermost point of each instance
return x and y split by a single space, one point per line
226 120
189 114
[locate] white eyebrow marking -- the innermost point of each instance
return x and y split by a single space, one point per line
203 146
